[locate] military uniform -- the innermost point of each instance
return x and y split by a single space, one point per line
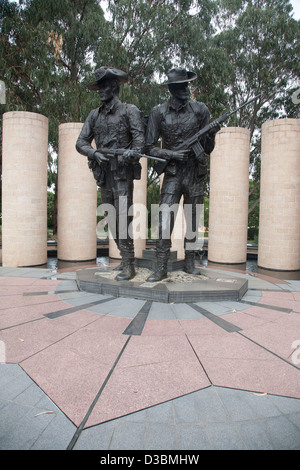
174 122
115 125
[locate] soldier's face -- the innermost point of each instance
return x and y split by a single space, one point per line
180 91
106 92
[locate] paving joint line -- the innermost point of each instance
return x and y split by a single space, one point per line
66 311
218 320
136 326
93 404
269 351
271 307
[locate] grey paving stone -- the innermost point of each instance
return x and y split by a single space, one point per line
161 311
186 409
295 419
11 413
161 413
262 405
210 406
285 405
67 285
253 434
15 387
234 306
30 396
57 434
185 312
128 436
8 372
224 436
119 307
96 438
236 404
283 433
23 435
192 437
159 436
138 417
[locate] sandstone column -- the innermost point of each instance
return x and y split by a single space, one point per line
279 223
228 200
24 189
77 200
140 221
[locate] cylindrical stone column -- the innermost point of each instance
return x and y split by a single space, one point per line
179 232
77 200
140 215
279 221
24 189
228 199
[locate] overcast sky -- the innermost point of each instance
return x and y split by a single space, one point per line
296 6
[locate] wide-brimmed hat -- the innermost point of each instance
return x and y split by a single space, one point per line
179 75
104 73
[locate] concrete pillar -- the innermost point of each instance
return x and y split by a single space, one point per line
228 199
279 234
77 200
140 221
179 232
24 189
139 224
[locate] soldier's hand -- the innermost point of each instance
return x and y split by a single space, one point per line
181 155
130 156
100 158
214 128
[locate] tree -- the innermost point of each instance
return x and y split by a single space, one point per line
261 41
47 48
255 50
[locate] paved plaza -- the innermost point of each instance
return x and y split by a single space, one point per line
88 371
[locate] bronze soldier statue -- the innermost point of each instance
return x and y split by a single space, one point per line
118 131
175 122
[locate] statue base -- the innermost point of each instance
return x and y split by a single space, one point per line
179 287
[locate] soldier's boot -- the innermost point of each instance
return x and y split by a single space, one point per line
119 267
189 263
128 271
160 272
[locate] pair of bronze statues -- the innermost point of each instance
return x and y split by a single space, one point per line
118 130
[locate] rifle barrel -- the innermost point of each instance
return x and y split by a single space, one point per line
243 105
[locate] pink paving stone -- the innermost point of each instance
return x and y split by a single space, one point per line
20 300
82 362
296 306
277 337
278 299
270 376
111 325
25 340
201 326
226 346
143 350
254 316
292 321
134 388
16 281
162 328
17 315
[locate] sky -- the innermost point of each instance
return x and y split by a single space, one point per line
296 6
